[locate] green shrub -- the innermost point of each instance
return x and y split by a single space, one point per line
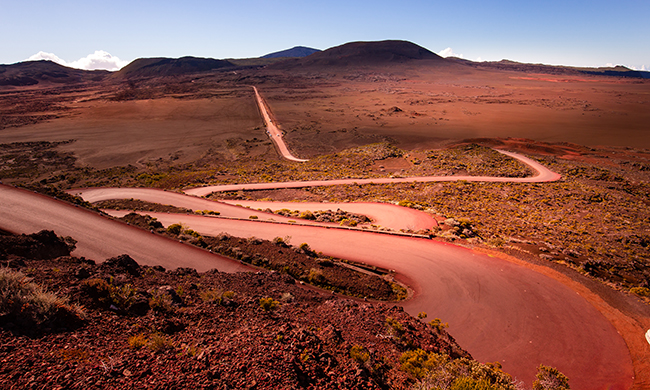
161 302
641 291
437 371
549 378
395 327
269 304
467 383
159 343
359 354
122 297
282 241
192 233
307 215
217 296
437 323
109 295
138 341
316 276
175 229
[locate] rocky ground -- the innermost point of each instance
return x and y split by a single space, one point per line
300 262
147 327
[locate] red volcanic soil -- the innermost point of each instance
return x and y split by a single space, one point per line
178 328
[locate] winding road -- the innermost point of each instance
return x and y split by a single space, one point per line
497 310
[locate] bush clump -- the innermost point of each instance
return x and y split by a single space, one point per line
437 371
269 304
28 306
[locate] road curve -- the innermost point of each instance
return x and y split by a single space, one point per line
383 214
272 130
543 174
99 238
496 310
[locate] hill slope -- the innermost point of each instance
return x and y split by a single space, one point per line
507 65
45 72
365 54
156 67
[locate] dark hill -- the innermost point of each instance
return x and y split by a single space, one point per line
156 67
297 52
45 72
513 66
365 54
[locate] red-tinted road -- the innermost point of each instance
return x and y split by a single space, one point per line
382 214
272 130
496 310
543 175
101 238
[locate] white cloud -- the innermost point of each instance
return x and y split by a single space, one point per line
41 55
98 60
448 52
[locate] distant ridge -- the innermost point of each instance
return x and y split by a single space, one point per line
617 71
158 67
295 52
29 73
354 54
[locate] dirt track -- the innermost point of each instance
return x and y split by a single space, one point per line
497 310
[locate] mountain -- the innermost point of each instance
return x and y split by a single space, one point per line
364 54
297 51
30 73
157 67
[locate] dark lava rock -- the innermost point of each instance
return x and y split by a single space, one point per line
121 264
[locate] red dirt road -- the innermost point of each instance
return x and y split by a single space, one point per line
496 310
382 214
272 130
101 238
543 175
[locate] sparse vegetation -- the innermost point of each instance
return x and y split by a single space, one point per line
30 306
269 304
359 354
436 371
437 324
549 378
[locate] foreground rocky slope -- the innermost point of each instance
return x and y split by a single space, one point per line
146 327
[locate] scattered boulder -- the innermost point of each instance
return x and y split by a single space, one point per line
121 264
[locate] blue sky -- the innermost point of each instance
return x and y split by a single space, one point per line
577 33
